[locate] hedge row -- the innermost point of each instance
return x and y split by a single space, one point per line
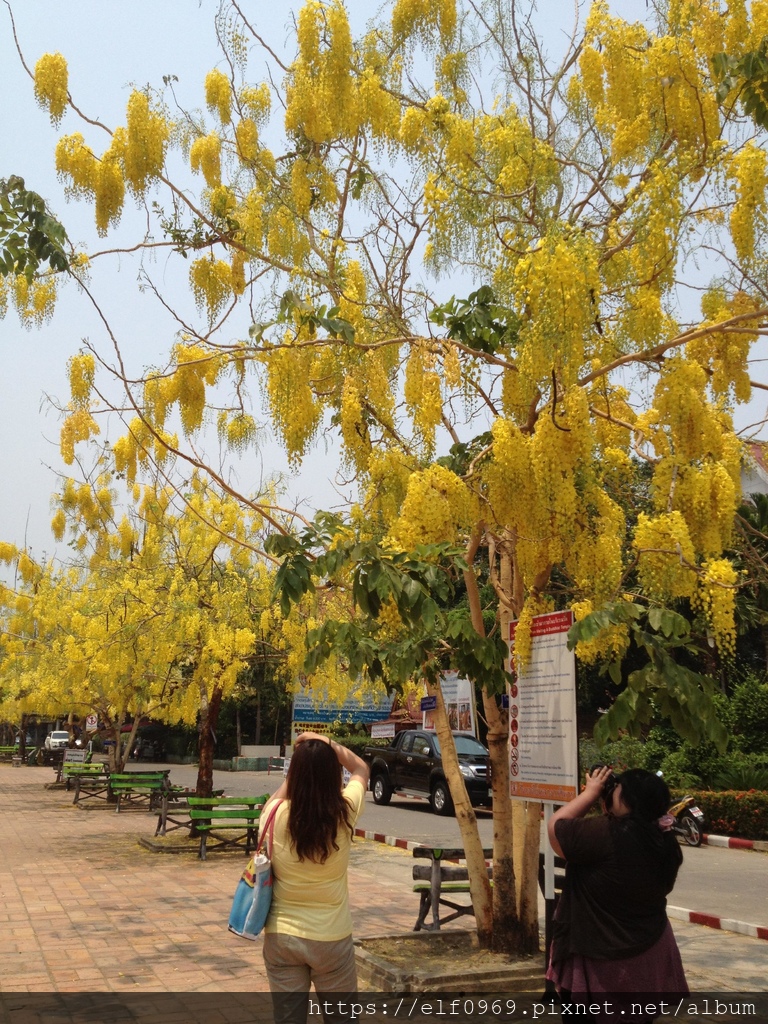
734 813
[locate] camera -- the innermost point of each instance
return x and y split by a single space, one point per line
609 785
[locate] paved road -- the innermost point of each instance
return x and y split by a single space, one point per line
721 882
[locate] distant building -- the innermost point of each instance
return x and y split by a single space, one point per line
754 469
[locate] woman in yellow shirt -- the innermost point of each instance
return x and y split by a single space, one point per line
308 934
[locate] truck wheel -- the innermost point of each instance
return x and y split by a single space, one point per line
440 799
382 791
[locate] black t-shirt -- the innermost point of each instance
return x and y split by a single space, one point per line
613 903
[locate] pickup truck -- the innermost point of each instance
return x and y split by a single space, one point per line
412 765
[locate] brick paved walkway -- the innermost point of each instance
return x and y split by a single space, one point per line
85 908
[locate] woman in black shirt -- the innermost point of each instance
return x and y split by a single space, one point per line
611 932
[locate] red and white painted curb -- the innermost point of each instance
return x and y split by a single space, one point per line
736 844
380 837
726 924
755 931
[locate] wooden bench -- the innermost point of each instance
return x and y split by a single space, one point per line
439 882
140 788
91 782
446 877
212 815
8 753
174 812
71 771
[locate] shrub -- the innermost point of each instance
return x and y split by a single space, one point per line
734 813
743 773
625 752
749 707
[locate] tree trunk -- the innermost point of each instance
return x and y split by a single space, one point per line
525 815
257 739
479 884
209 717
23 738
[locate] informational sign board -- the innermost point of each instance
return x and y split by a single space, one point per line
380 730
428 703
91 722
459 699
543 741
309 711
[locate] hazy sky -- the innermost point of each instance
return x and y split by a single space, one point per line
111 46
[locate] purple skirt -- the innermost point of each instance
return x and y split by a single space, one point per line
659 969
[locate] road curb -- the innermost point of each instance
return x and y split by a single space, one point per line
380 837
736 844
725 924
755 931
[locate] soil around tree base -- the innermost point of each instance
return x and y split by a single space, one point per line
450 961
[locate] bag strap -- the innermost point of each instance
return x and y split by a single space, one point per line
267 836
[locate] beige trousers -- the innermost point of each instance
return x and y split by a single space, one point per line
293 964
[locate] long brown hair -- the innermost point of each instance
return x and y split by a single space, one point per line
317 808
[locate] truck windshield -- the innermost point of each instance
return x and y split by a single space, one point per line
465 745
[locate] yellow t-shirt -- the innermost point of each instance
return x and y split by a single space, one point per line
310 900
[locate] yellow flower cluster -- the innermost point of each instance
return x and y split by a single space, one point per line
51 84
725 354
680 400
423 394
285 238
638 84
237 431
557 288
422 18
205 158
144 141
321 100
521 650
257 100
663 544
247 139
131 449
34 301
611 644
715 598
295 412
438 506
388 474
335 90
211 281
81 370
251 220
58 524
749 210
102 179
218 95
78 426
354 429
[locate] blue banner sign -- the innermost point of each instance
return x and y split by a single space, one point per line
307 709
428 703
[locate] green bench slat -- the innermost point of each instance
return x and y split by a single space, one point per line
445 887
210 815
224 801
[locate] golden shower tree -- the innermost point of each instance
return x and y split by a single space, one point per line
607 205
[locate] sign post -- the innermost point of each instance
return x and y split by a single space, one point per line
543 740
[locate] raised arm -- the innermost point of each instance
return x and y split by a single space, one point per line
580 804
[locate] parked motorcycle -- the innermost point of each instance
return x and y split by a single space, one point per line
689 821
